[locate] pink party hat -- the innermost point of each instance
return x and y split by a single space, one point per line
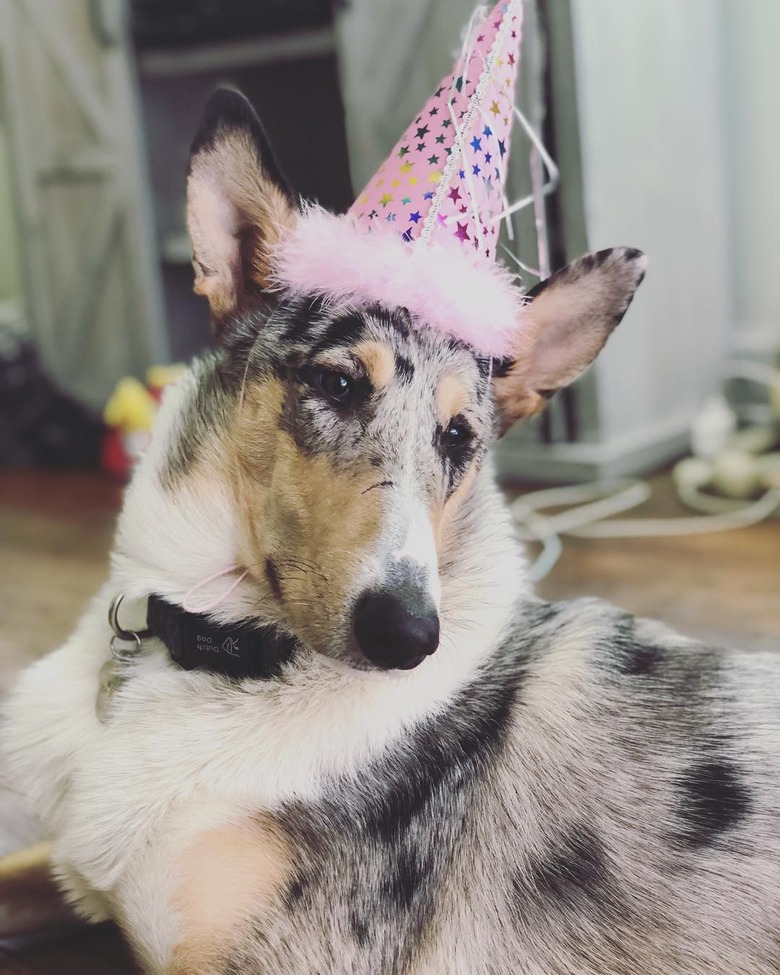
423 233
445 177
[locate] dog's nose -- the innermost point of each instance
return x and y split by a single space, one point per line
396 631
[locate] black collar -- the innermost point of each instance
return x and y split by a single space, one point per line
236 650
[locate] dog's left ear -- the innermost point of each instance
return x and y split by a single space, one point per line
238 205
569 317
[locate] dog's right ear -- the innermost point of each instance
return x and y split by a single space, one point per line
238 206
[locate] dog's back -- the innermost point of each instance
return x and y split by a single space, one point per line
601 798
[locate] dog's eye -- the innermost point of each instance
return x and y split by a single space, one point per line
336 386
456 436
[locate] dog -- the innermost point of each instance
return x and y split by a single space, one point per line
429 771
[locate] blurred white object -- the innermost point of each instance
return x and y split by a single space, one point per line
712 428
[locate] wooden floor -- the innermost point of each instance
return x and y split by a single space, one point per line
55 532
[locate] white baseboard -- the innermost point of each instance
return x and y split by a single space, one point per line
581 462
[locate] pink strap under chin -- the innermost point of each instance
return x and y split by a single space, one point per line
207 607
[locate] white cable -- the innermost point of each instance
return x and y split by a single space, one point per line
587 520
604 498
751 514
538 530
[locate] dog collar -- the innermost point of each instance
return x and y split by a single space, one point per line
238 650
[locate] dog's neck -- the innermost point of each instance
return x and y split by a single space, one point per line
171 539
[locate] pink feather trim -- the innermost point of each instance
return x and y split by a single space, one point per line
442 287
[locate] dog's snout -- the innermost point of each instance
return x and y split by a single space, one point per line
396 630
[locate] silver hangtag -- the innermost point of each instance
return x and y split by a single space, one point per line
115 671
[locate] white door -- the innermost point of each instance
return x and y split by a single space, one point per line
91 277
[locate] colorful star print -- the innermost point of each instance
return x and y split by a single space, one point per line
438 182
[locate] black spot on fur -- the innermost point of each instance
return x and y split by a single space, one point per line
407 876
632 253
501 367
633 658
301 319
359 929
625 653
640 660
484 366
296 890
342 331
575 874
540 613
404 369
713 800
547 393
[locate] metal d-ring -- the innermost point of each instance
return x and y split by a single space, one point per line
127 636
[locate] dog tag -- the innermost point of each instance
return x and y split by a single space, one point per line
110 679
115 671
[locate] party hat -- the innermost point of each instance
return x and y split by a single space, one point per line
423 233
445 177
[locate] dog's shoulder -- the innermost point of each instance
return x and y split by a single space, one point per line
592 644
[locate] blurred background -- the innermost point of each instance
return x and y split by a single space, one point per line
662 117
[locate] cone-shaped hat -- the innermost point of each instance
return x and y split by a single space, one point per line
422 235
445 178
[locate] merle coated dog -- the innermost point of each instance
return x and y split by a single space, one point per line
419 768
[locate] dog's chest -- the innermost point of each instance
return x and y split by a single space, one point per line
366 863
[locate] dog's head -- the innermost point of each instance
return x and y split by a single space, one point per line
354 434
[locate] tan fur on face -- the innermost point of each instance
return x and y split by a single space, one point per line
227 876
452 396
236 215
315 522
378 361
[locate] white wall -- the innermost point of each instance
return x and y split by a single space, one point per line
649 91
751 66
